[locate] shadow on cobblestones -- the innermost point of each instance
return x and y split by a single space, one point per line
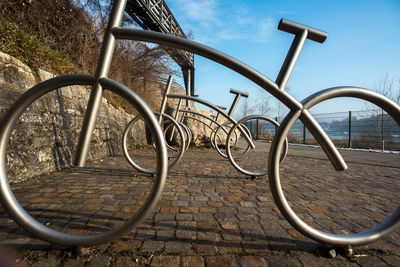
209 214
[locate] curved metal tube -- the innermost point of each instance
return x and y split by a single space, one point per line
370 235
208 104
299 110
31 225
171 163
232 159
189 134
204 116
323 139
210 53
243 69
197 119
213 130
236 139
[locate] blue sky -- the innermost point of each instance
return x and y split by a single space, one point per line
363 45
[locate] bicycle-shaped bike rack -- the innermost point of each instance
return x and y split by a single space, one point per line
219 132
100 82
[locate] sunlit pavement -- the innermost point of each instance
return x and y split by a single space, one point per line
212 215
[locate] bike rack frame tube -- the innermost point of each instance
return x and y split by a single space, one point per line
36 228
164 100
217 116
204 116
175 116
199 120
291 58
212 54
208 104
106 53
232 158
213 131
214 117
235 65
323 139
372 234
234 103
177 109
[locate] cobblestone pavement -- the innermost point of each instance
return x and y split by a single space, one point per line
210 214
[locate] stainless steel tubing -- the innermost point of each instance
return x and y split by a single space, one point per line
185 130
208 118
296 28
368 236
104 62
224 127
236 66
212 119
171 163
189 134
214 55
164 99
30 224
208 104
202 122
231 158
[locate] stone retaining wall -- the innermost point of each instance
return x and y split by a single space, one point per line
46 135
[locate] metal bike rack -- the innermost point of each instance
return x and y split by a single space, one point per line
298 111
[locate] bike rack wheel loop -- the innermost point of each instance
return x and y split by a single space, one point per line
31 225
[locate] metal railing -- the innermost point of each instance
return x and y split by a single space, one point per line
369 129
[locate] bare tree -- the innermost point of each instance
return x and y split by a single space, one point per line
382 123
263 103
245 108
389 87
281 109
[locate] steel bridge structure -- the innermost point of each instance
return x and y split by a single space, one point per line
155 15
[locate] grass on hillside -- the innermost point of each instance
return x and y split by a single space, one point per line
37 54
34 53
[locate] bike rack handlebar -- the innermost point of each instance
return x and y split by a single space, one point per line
296 28
236 100
237 92
221 107
217 116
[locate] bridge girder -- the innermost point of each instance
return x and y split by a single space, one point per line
155 15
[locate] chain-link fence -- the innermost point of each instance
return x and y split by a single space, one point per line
370 129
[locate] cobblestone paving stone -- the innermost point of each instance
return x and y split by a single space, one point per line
210 214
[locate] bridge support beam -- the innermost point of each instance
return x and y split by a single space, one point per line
156 16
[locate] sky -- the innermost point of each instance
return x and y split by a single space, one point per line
363 45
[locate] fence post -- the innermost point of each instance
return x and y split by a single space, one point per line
256 129
304 134
382 132
350 129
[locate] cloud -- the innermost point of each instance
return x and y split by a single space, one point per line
287 12
264 29
253 30
216 21
229 34
203 11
